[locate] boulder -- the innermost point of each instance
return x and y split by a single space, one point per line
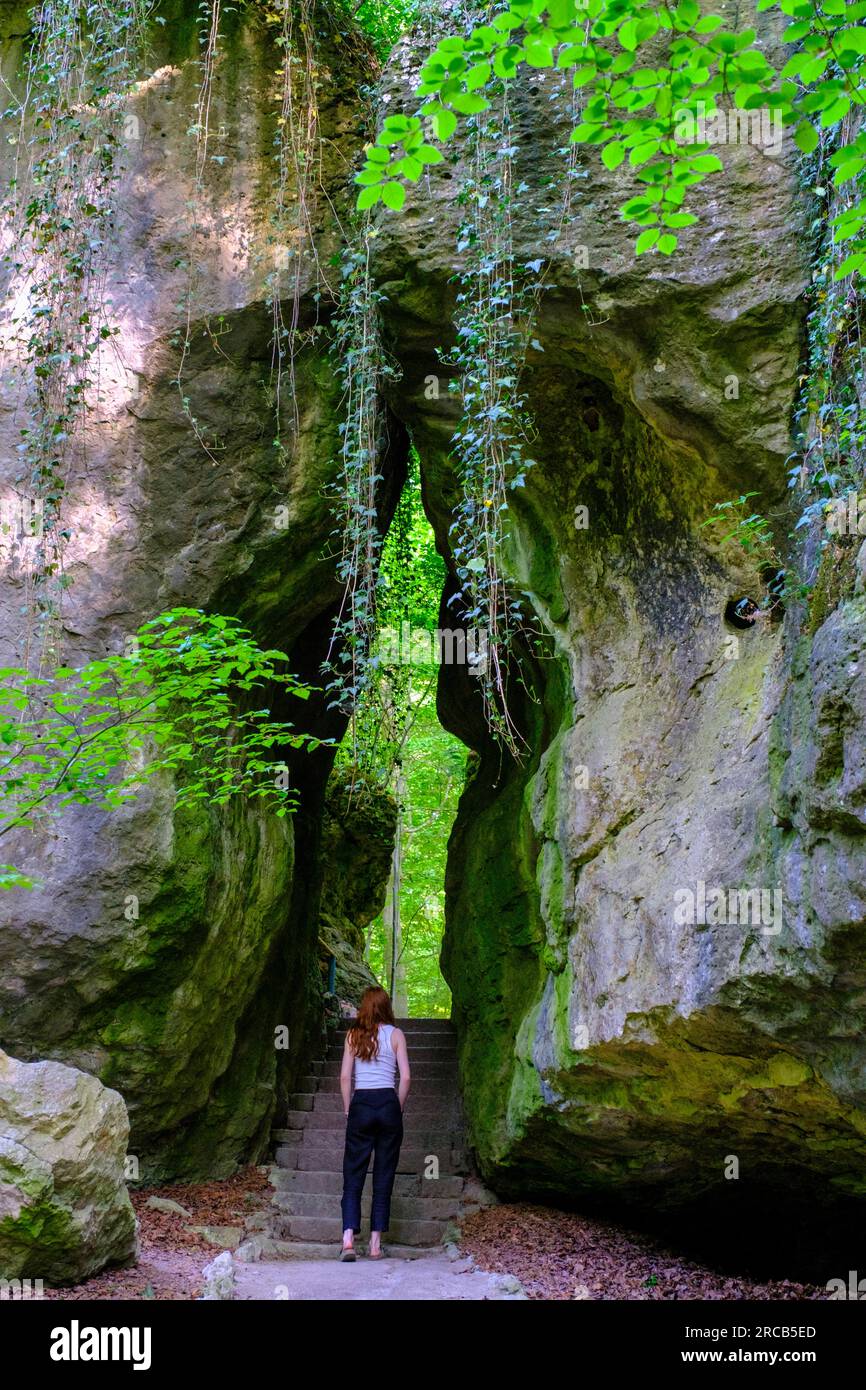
65 1212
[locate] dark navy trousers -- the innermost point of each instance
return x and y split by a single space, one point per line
374 1126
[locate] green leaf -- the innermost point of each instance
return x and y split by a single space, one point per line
368 196
851 264
850 41
849 171
394 195
806 137
667 244
469 103
687 12
627 35
835 112
679 219
613 154
477 76
538 55
646 240
444 123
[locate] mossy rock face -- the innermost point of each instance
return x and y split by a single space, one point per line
64 1209
174 954
357 842
609 1045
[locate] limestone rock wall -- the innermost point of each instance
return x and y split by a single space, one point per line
606 1046
162 949
357 842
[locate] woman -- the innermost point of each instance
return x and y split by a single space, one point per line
374 1051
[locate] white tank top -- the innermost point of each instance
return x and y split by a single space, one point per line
381 1072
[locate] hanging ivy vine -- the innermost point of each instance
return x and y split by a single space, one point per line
498 298
82 60
208 19
297 147
363 367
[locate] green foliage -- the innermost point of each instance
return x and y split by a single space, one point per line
412 573
396 741
409 583
636 102
433 774
753 531
181 700
384 21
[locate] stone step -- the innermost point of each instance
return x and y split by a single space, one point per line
322 1228
432 1141
331 1184
330 1250
302 1100
439 1052
411 1025
329 1159
421 1070
327 1204
443 1101
426 1118
421 1085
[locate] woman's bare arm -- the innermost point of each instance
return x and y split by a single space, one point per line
346 1071
398 1044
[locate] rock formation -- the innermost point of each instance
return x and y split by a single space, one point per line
619 1033
64 1209
608 1047
163 949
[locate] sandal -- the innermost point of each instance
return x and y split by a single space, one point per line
347 1254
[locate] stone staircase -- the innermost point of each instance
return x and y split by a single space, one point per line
308 1176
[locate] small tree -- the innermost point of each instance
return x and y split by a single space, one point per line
176 701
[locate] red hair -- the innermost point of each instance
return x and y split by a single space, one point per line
374 1008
